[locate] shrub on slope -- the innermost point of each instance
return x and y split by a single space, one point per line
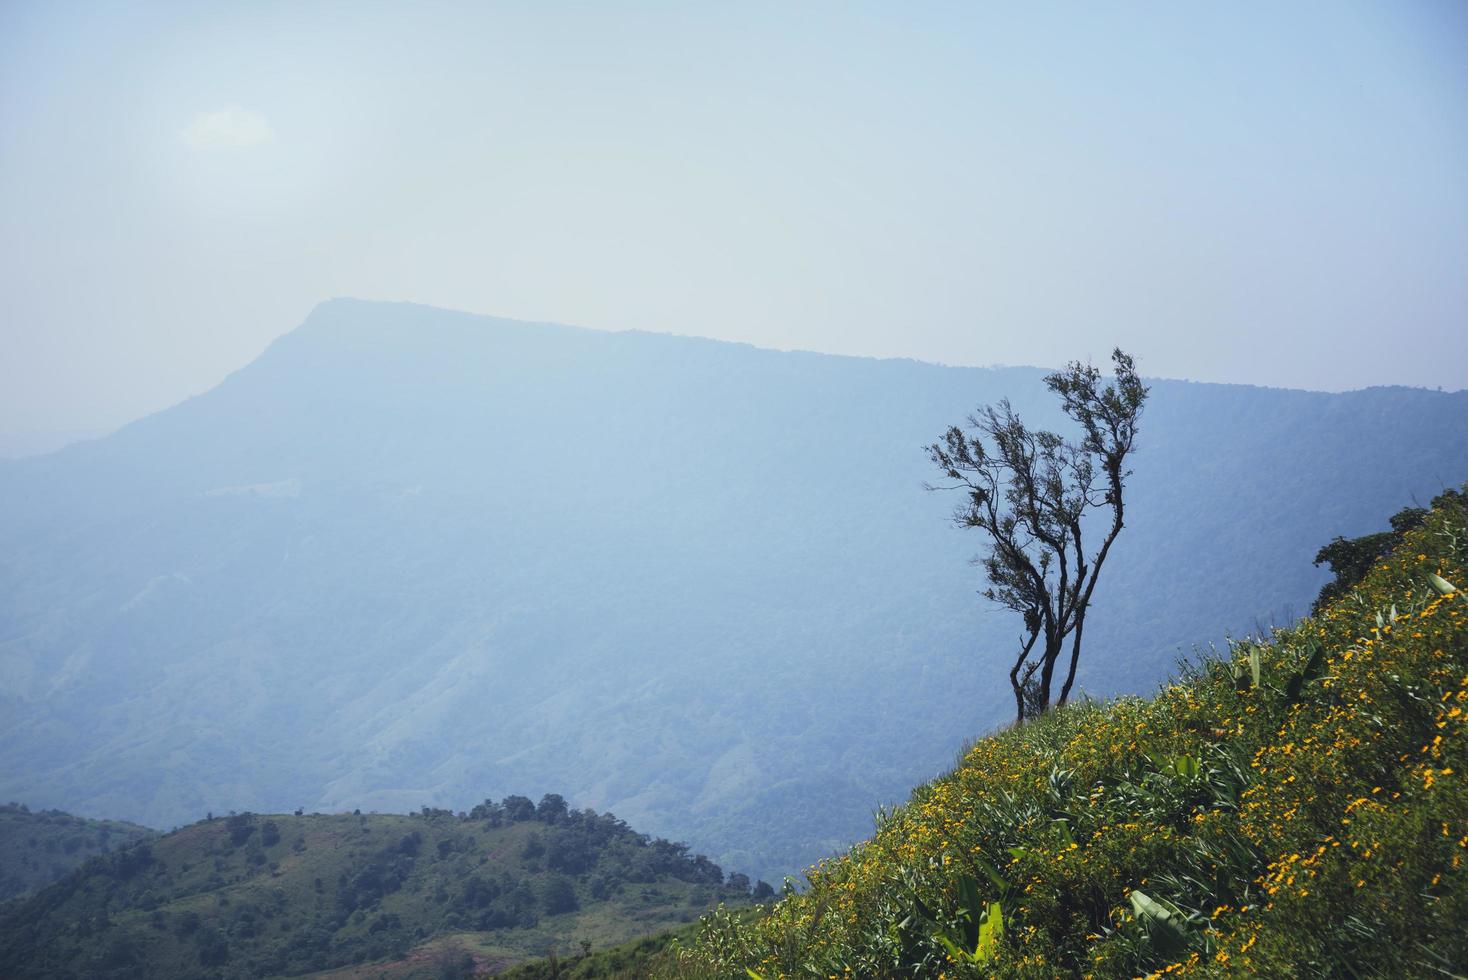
1298 808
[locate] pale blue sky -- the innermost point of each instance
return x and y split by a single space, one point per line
1266 193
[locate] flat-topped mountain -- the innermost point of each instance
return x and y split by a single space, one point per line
408 556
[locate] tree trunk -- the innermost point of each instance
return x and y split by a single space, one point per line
1075 656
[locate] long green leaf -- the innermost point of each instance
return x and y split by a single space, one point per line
971 905
959 954
993 874
994 924
1165 923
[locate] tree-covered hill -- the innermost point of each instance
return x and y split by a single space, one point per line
37 848
402 896
410 556
1298 808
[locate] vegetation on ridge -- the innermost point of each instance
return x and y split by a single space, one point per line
41 846
1297 808
432 893
1351 558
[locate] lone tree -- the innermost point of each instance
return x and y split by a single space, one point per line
1030 491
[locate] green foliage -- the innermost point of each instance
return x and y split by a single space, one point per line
37 848
1297 808
289 894
1351 558
1168 928
981 927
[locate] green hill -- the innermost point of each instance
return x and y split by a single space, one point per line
41 847
1296 808
428 894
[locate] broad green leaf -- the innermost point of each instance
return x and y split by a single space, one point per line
971 905
1165 923
995 922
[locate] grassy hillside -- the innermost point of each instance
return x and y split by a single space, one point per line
41 847
1296 808
429 894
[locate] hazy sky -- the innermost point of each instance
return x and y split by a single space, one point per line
1273 193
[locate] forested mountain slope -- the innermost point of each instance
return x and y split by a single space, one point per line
264 895
39 847
408 556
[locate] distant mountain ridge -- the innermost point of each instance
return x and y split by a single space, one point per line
35 442
408 555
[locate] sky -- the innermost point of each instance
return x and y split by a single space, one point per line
1258 193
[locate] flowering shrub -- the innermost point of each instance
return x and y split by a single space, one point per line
1297 808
